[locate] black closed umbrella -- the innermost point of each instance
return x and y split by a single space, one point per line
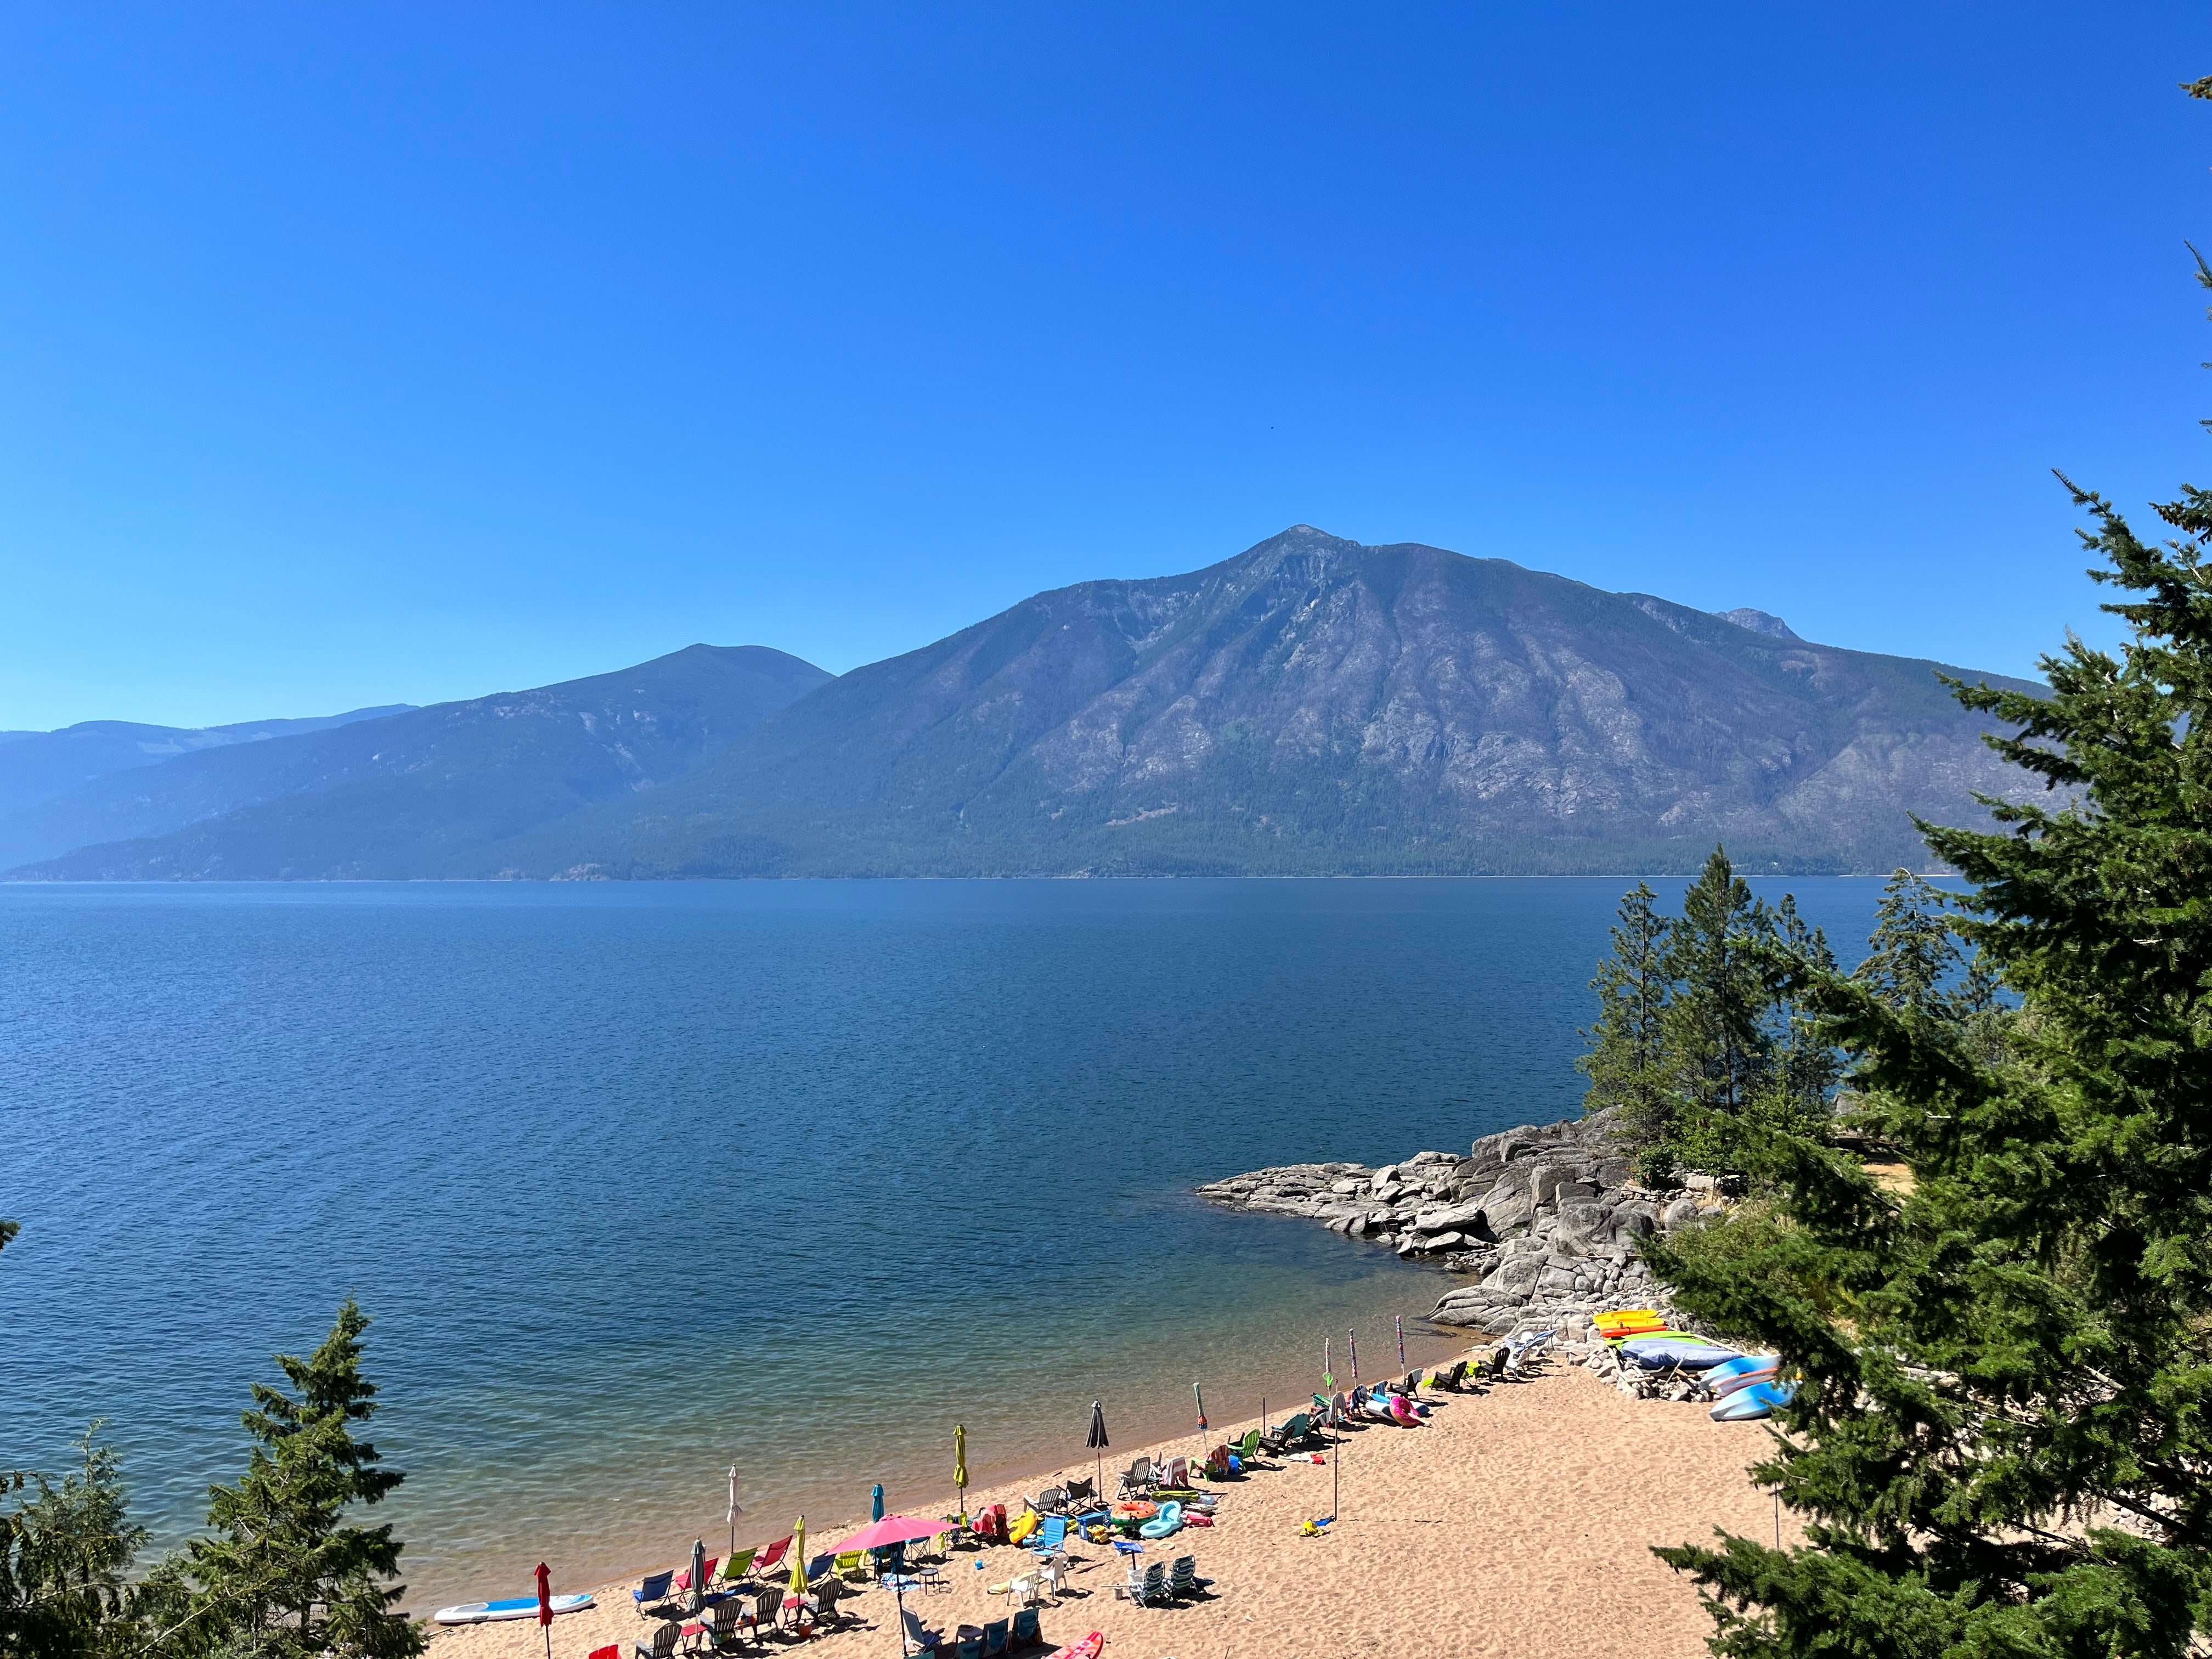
1098 1443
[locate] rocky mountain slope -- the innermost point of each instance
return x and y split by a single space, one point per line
1317 707
412 795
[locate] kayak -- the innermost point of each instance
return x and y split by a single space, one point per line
1733 1373
1656 1354
518 1607
1626 1316
1749 1404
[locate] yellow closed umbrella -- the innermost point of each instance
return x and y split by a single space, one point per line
798 1557
960 1467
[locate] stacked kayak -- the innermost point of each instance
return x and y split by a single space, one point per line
1741 1372
1629 1321
1748 1405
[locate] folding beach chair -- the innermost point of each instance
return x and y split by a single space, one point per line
1026 1632
769 1559
1182 1576
1152 1588
654 1591
1137 1477
662 1645
994 1639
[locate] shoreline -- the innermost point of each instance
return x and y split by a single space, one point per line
1516 1520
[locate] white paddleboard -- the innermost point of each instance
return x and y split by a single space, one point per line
520 1606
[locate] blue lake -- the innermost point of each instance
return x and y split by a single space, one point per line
639 1181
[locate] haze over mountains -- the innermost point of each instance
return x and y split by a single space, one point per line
1312 706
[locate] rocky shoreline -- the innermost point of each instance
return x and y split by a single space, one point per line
1543 1220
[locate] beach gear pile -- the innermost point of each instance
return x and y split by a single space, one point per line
1645 1357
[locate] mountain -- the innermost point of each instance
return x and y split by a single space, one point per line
1316 707
401 797
36 766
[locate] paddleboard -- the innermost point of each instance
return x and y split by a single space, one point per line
1656 1354
519 1606
1088 1648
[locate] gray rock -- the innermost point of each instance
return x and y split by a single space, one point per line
1546 1179
1348 1186
1635 1220
1682 1212
1582 1223
1446 1217
1518 1273
1567 1189
1507 1213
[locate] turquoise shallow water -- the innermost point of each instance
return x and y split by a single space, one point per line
640 1180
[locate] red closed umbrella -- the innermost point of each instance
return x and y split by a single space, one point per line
545 1605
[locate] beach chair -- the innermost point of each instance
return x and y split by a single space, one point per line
1052 1575
613 1651
1246 1450
683 1579
969 1647
1026 1632
1290 1434
994 1638
763 1612
1052 1536
826 1596
1137 1477
1177 1477
1152 1589
663 1644
1051 1501
653 1592
722 1621
1081 1493
769 1559
1182 1576
852 1561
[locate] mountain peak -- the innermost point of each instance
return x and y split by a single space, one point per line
1759 622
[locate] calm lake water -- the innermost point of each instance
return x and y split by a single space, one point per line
639 1180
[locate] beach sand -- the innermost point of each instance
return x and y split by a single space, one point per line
1515 1522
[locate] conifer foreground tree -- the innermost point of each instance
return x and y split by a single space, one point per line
283 1574
2001 1441
1627 1063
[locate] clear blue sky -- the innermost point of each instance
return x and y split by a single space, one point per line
365 352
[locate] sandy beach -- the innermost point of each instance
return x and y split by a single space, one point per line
1515 1522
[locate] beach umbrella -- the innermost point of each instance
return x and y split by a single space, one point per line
545 1605
892 1529
1351 1342
732 1555
1399 1320
698 1572
1328 1362
960 1468
1098 1443
797 1589
875 1507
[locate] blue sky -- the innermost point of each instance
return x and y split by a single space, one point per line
354 353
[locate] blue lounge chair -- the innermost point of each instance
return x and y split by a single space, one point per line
654 1591
1052 1536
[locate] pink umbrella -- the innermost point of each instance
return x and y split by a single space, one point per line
891 1529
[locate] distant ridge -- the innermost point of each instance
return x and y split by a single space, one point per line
398 798
1316 707
36 766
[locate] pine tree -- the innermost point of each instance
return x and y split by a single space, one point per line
65 1557
2001 1438
284 1575
1626 1062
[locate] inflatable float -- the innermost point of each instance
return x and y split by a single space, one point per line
1166 1524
